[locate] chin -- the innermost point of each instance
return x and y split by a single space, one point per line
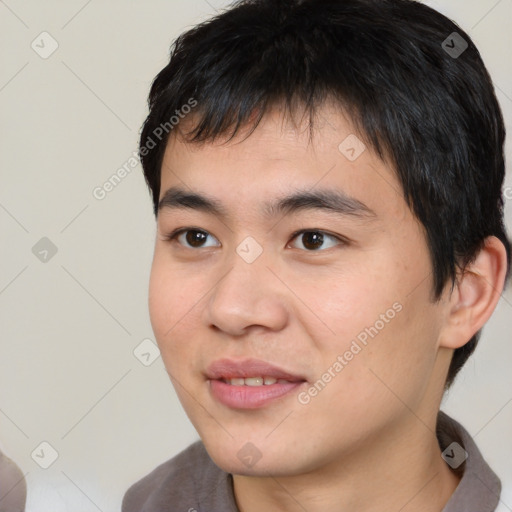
231 464
248 460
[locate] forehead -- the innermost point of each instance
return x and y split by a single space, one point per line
281 155
278 126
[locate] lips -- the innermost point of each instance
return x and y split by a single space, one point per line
226 369
250 384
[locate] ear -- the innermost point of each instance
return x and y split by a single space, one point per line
475 295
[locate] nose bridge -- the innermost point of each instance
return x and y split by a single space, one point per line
246 294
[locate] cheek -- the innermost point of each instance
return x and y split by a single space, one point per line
160 300
168 300
398 361
378 378
174 307
346 300
381 319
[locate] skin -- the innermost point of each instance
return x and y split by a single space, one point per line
367 440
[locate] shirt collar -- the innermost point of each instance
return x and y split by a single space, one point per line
479 488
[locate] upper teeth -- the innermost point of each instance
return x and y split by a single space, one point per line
255 381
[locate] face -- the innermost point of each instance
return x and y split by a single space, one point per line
291 304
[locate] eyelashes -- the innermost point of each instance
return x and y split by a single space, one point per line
313 240
175 236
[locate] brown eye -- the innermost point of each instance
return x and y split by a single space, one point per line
193 238
314 240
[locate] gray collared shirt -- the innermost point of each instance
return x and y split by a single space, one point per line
191 482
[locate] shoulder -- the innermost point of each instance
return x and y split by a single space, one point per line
179 482
13 487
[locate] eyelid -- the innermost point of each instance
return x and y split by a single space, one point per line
173 235
178 231
340 239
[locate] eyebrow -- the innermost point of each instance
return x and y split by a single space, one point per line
329 200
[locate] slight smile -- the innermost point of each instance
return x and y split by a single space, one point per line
250 383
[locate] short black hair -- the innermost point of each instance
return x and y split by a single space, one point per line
419 97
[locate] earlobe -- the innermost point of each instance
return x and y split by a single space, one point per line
475 294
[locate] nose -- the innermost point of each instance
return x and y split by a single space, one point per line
248 295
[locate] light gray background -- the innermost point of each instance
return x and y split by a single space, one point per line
69 326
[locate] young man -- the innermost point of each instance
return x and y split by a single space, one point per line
326 178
